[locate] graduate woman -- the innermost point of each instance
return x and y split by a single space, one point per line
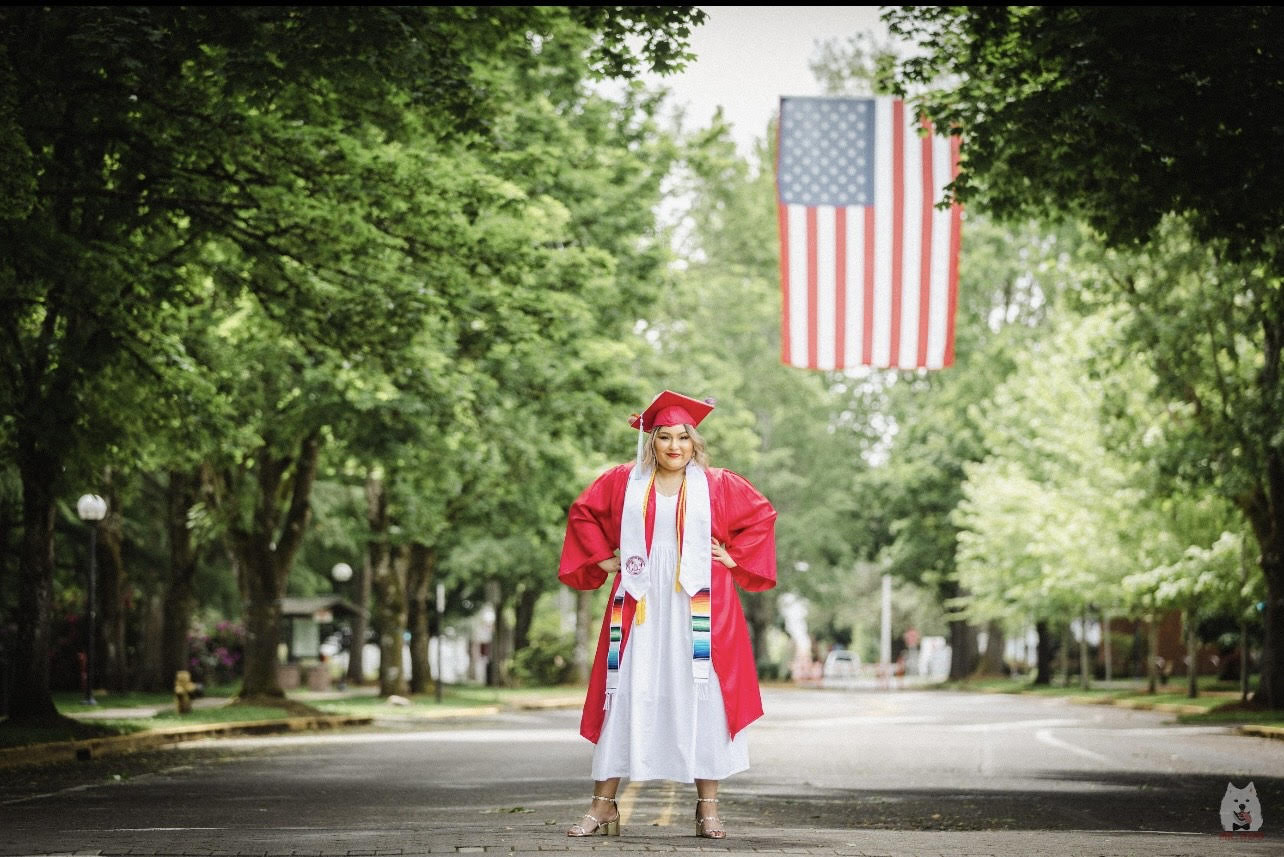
674 682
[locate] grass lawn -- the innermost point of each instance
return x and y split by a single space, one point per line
222 714
453 697
72 704
156 710
1221 700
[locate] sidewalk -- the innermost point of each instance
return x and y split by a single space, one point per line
84 749
93 748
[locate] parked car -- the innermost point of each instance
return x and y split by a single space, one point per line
842 663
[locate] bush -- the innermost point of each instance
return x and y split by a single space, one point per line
216 655
546 660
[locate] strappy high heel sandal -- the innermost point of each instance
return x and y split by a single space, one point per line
609 827
708 826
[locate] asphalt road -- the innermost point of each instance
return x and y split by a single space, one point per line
887 773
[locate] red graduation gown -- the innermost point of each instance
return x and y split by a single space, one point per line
742 519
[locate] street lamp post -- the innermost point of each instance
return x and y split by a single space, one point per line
341 574
91 509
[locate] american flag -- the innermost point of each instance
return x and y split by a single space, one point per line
868 264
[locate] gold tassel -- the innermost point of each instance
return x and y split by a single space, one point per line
639 616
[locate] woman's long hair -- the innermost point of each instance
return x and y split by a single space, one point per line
701 456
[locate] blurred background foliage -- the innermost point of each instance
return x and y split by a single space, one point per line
294 286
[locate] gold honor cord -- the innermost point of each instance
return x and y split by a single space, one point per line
682 531
639 616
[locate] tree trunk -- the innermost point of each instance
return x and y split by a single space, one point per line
1084 674
1107 650
360 623
1152 652
497 669
759 611
113 592
525 614
1192 654
992 660
180 598
262 589
1265 510
962 649
1042 653
263 554
583 636
1065 654
391 609
1243 659
419 580
388 573
963 652
30 700
1270 684
151 665
1243 626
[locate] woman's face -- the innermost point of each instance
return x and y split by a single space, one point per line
673 447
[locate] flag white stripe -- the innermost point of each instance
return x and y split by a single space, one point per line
853 340
826 283
911 255
941 225
882 232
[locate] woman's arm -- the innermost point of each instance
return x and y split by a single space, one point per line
751 534
588 552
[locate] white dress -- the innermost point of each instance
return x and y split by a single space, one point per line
659 726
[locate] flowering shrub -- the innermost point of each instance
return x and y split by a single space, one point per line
216 653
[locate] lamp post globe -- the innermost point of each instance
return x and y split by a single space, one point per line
342 572
91 509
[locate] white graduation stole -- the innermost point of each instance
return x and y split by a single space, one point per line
695 523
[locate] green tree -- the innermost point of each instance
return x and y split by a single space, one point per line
1010 278
1130 119
1047 516
145 138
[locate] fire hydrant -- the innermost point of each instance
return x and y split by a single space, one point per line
184 687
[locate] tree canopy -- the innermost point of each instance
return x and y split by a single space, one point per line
1118 116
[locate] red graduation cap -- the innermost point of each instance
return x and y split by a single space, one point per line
671 409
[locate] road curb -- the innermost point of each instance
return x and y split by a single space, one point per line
93 748
1258 731
550 704
1166 707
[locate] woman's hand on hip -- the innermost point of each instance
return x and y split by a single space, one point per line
610 565
721 555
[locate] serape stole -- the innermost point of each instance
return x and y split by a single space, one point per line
701 603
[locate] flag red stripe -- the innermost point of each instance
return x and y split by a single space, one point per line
925 249
812 289
840 285
898 225
956 230
782 216
867 317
